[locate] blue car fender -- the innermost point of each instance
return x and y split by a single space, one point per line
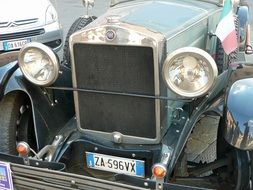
238 130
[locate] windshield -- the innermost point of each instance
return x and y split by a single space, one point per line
114 2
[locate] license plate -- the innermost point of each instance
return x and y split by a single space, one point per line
5 176
11 45
115 164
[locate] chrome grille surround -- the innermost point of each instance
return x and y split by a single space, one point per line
126 35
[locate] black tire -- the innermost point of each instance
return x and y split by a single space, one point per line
222 60
251 167
79 23
11 128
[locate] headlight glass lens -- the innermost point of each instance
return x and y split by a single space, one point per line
39 64
189 72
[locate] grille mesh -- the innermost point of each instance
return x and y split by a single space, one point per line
127 69
21 34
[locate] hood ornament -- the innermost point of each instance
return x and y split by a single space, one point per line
88 4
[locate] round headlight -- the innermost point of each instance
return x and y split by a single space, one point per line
39 64
189 72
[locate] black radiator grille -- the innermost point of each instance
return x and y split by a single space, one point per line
127 69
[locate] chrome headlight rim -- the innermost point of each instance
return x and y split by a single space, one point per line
197 53
51 55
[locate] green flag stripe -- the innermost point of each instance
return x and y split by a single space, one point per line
226 9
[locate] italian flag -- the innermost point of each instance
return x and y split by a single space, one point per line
225 30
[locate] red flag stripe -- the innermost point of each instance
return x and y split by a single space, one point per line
230 42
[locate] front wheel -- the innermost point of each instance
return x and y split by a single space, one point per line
238 169
212 162
15 123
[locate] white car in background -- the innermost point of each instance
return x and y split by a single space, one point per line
24 21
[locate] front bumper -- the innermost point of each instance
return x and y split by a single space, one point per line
36 178
52 36
47 175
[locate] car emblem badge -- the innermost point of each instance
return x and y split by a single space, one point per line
12 24
110 35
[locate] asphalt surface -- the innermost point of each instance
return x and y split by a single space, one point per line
70 10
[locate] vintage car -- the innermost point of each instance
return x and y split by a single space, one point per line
28 21
145 99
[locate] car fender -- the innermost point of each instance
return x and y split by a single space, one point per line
8 65
48 116
238 130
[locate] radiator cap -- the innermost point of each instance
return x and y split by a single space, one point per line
112 19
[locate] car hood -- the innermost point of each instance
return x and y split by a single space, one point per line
163 16
15 10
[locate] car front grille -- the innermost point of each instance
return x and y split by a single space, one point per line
126 70
25 34
18 23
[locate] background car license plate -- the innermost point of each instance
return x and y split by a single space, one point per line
17 44
115 164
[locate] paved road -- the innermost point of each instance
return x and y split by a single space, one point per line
70 10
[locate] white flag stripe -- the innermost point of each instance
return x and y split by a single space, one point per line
226 26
